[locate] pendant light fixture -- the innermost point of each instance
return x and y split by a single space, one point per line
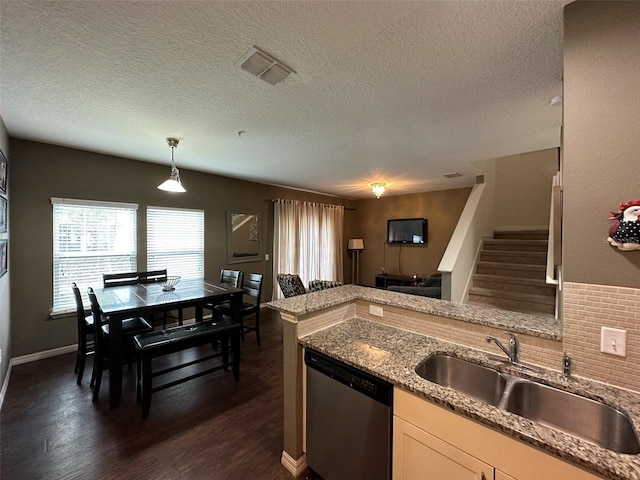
173 184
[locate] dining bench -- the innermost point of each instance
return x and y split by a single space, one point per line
221 332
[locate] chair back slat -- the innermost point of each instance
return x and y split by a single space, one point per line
153 276
118 279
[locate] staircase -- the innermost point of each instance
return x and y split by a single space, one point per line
510 273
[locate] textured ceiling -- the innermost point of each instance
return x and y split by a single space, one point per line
399 92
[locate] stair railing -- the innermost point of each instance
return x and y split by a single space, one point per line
554 244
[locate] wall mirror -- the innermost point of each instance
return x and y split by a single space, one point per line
243 236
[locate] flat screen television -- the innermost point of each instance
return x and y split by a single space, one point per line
412 231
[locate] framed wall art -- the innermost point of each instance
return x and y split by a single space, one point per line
4 215
243 236
4 256
3 173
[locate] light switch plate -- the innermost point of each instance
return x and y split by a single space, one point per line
376 310
613 341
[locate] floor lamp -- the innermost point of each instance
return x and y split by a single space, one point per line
355 245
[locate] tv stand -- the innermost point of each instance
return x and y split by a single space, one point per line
385 280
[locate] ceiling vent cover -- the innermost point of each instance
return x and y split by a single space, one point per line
452 175
264 66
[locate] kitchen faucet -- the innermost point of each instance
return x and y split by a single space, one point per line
513 350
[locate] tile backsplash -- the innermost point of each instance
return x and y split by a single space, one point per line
586 308
539 351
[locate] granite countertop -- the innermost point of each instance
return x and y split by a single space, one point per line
392 354
536 325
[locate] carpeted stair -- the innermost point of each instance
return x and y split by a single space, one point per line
510 273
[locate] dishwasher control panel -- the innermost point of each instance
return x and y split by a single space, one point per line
351 376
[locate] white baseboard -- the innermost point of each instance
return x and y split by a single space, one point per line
295 467
32 357
5 384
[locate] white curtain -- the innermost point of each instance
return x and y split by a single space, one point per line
307 241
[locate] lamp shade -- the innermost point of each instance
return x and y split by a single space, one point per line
172 185
356 244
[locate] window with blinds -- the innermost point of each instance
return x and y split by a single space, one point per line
175 241
89 238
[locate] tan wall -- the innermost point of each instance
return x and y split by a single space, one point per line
523 188
601 154
40 171
442 209
5 304
601 168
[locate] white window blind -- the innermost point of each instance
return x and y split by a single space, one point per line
89 238
175 241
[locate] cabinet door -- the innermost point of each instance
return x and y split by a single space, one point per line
503 476
418 455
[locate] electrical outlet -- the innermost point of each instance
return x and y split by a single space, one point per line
376 310
266 257
613 341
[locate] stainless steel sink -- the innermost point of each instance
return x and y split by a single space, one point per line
579 416
474 380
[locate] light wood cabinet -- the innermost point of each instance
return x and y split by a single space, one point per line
430 442
419 455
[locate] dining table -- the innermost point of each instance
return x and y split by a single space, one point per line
126 301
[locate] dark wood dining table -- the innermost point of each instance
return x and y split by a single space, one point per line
127 301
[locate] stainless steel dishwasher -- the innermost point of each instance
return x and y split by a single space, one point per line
349 419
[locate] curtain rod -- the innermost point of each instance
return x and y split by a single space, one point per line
285 200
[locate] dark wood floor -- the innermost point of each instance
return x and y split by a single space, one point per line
208 428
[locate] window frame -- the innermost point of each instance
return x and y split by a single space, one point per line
65 257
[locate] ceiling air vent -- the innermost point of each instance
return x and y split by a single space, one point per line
264 66
452 175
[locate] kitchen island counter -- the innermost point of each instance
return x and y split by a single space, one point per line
392 354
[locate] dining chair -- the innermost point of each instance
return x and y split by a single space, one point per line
252 286
290 284
227 277
119 279
157 276
84 325
130 328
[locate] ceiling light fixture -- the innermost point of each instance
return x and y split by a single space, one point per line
378 189
173 184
